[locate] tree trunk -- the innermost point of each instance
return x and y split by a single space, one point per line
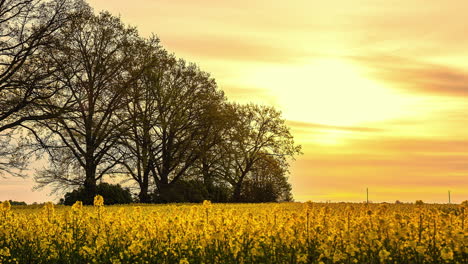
164 190
143 196
163 186
236 197
208 181
90 186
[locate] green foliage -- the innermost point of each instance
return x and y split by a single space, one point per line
258 193
16 203
112 193
191 191
265 192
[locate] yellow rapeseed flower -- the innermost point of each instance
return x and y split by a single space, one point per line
77 206
184 261
6 206
234 233
383 255
98 200
5 252
446 254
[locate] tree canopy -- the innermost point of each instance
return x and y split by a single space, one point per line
103 102
26 27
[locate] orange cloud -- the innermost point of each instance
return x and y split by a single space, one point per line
415 75
414 47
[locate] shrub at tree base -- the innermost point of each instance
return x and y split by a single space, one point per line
192 191
17 203
112 193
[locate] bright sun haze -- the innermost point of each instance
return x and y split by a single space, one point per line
328 91
375 92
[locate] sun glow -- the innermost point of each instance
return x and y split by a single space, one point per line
328 91
327 137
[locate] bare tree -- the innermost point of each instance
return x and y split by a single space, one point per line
12 160
267 182
209 168
188 116
138 142
26 26
174 118
256 132
91 55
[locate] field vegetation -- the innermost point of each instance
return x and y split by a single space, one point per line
234 233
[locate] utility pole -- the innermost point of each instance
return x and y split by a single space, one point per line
449 196
367 195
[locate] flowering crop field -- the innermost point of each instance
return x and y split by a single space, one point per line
234 233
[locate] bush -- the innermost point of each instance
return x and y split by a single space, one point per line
191 191
112 193
17 203
265 192
183 191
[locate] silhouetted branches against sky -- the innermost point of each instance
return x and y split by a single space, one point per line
107 102
25 27
92 55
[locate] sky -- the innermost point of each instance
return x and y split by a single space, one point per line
375 91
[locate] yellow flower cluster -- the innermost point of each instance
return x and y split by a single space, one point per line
234 233
98 200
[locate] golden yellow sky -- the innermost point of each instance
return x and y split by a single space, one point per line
376 91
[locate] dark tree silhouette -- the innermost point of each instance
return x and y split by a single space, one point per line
91 55
138 142
267 182
174 118
99 100
188 118
26 26
12 159
257 131
209 167
112 194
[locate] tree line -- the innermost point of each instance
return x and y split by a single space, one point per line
99 102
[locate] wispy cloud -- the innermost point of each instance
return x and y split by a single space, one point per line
415 47
416 76
249 95
315 126
235 47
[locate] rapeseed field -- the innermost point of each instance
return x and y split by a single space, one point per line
234 233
